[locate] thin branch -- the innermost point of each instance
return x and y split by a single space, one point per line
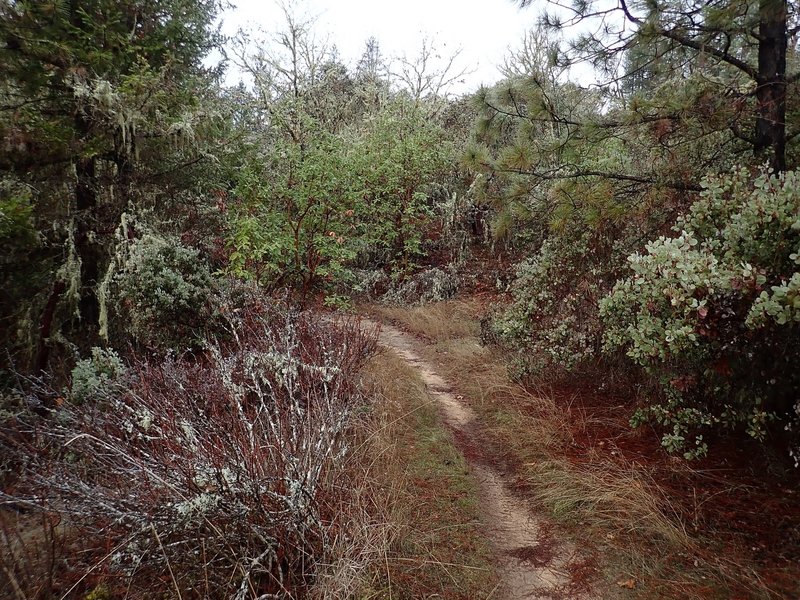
558 173
166 558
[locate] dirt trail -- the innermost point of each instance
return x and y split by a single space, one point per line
530 564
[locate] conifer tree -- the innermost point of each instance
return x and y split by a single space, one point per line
744 47
91 92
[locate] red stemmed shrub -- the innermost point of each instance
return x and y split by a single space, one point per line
211 475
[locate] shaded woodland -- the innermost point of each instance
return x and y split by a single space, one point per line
182 263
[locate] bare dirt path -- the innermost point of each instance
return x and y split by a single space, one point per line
530 563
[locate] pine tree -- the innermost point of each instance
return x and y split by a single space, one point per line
745 45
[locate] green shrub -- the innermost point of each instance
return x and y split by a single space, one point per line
163 293
553 320
93 378
713 312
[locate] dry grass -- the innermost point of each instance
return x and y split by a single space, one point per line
358 551
421 506
609 504
436 322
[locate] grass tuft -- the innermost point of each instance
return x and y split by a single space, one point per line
437 322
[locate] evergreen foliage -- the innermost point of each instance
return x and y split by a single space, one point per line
152 221
582 179
744 50
713 311
100 114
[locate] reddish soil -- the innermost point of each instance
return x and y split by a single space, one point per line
745 498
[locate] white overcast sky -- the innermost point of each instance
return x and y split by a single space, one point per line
482 29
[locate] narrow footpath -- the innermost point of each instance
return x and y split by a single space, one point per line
527 570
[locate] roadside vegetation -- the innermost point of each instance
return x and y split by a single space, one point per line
650 526
181 415
436 545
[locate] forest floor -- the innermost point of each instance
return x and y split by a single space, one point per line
575 504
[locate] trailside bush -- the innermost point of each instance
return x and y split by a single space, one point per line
161 292
713 312
430 285
219 476
553 320
94 378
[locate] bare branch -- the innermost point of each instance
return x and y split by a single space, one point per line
429 75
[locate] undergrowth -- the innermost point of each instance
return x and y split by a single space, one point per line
613 505
214 475
436 547
271 466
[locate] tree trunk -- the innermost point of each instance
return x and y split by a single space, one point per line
770 138
46 327
86 244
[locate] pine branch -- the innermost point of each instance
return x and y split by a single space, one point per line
558 174
672 34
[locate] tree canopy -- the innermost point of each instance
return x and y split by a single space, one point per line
99 116
742 48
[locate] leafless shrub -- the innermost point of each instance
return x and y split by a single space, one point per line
212 476
30 546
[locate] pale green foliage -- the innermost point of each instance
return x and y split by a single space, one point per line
672 283
782 305
296 217
553 320
399 157
706 310
93 378
163 293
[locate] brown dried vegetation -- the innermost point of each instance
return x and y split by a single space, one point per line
723 527
218 475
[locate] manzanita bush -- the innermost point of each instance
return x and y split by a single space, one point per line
714 311
553 320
